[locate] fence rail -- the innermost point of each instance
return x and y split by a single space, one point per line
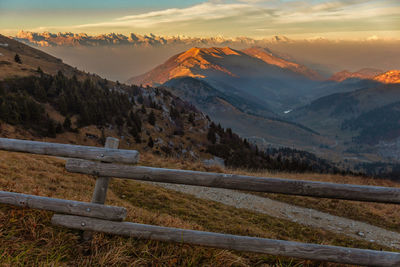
63 206
98 217
239 182
233 242
70 151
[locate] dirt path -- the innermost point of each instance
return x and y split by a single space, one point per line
309 217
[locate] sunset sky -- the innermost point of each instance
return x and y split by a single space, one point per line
344 19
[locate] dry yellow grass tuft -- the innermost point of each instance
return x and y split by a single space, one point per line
28 238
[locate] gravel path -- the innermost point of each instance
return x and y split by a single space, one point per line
309 217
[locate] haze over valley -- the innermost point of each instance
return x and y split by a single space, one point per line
116 56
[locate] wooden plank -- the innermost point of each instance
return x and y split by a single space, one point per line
63 206
100 189
233 242
70 151
239 182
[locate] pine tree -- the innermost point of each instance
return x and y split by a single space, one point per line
191 118
211 136
143 109
152 118
67 123
39 70
151 142
51 128
17 59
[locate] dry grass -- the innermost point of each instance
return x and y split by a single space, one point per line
28 238
383 215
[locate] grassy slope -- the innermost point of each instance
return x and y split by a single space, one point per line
27 237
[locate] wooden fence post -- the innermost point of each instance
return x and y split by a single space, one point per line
100 189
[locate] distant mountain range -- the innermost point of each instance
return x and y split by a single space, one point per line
46 39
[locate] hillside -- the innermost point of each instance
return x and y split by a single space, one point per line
359 120
31 59
378 125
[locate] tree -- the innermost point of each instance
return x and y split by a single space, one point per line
191 118
17 59
152 118
39 70
143 109
136 120
51 128
151 142
211 135
67 124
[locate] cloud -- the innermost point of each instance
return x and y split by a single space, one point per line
255 17
205 11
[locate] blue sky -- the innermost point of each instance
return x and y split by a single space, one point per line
98 4
229 18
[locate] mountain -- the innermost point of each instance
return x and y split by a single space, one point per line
392 76
198 62
366 73
191 63
259 77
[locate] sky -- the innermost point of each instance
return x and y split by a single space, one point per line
343 19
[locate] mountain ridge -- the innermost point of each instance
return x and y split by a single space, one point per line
269 57
195 61
47 39
365 73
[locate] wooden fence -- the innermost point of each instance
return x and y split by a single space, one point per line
95 216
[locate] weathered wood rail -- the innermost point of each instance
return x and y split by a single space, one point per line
233 242
63 206
70 151
239 182
101 218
